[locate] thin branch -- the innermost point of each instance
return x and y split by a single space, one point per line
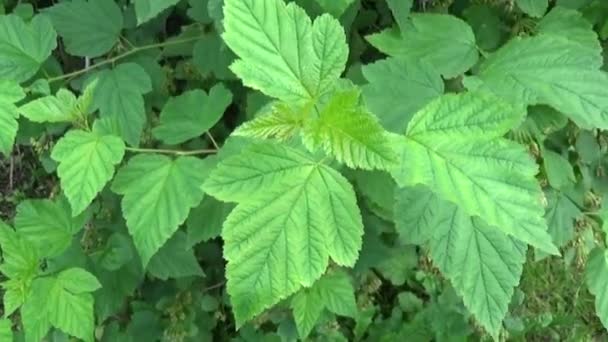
217 147
213 287
121 56
174 152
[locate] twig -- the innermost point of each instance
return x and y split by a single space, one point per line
217 147
213 287
175 152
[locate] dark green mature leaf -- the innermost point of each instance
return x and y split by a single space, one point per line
24 46
416 214
534 8
191 114
205 221
561 213
118 96
596 276
175 260
148 9
88 28
398 88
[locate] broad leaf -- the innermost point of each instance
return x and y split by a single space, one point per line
24 47
483 264
279 120
158 195
454 145
10 92
533 8
148 9
88 28
281 52
560 173
398 88
175 260
294 214
347 131
416 214
47 224
549 70
58 108
118 96
86 164
444 41
191 114
596 277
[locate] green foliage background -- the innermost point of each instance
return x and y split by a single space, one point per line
349 170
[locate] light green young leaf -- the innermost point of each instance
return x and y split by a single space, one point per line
88 28
191 114
77 281
307 306
444 41
533 8
24 47
175 260
149 9
454 146
483 264
158 195
48 225
86 163
398 88
294 208
282 53
58 108
550 70
10 92
596 277
347 131
281 122
415 224
118 96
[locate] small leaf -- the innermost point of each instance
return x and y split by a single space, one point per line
77 281
280 121
149 9
86 163
307 306
59 108
337 293
335 7
10 92
416 214
534 8
175 260
191 114
596 277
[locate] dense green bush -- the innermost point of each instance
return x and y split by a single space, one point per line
379 170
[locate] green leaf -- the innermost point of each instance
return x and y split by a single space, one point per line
561 213
279 120
77 281
10 92
24 47
416 214
401 11
307 306
158 195
6 331
54 302
559 171
570 24
533 8
337 293
205 221
149 9
335 7
347 131
550 70
88 28
454 145
191 114
398 88
48 225
444 41
175 260
281 52
58 108
86 163
596 277
118 96
483 264
295 213
212 56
